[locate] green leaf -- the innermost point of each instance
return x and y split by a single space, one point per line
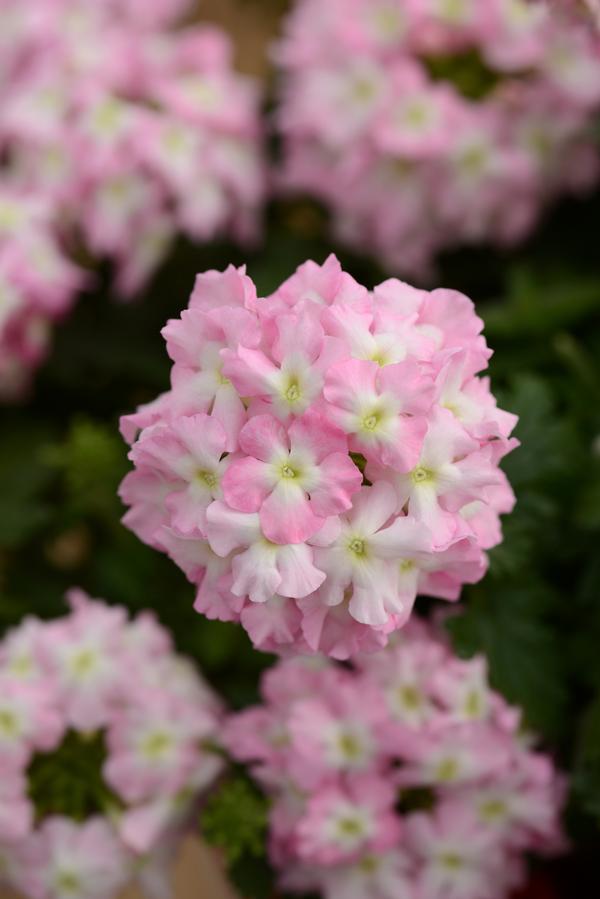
92 460
509 624
547 440
586 782
24 476
541 301
68 781
235 819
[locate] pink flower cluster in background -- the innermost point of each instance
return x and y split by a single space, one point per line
405 777
426 124
121 135
323 455
583 10
94 672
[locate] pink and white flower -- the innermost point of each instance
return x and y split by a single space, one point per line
323 455
407 119
400 776
109 112
294 479
95 675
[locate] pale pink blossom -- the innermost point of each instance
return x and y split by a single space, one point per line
96 675
402 775
322 456
407 120
109 112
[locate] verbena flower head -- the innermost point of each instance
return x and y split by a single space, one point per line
323 455
108 117
405 777
105 749
424 124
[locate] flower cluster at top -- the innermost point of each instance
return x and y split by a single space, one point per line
424 124
323 455
105 739
115 136
405 777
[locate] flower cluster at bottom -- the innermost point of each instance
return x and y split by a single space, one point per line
105 747
406 776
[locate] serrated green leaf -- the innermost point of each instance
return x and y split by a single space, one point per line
509 624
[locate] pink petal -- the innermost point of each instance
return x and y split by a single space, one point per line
203 435
274 622
230 412
262 436
299 577
298 334
228 529
372 507
409 385
315 434
339 479
250 371
255 574
286 516
404 537
246 484
348 380
403 452
424 506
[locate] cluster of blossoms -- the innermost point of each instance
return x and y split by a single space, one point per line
584 10
100 684
38 283
423 124
404 778
125 134
323 455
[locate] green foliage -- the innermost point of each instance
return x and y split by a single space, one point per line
68 781
587 761
509 624
23 477
235 820
92 463
466 71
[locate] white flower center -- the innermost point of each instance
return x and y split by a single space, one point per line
357 546
9 724
208 478
410 697
67 881
493 810
83 662
451 860
447 769
156 745
420 475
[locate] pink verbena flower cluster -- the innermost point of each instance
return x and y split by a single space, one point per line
38 283
89 675
406 776
424 124
323 455
584 10
106 120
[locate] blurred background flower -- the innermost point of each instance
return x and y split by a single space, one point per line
107 119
